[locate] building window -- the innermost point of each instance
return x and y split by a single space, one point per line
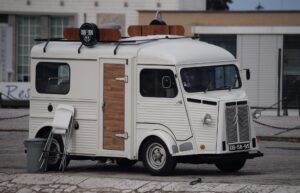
291 70
28 28
227 42
57 25
52 78
3 18
158 83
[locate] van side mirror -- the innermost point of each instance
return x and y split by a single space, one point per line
248 74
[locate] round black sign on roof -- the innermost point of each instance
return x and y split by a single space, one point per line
89 34
158 22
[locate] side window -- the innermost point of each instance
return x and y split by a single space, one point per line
52 78
158 83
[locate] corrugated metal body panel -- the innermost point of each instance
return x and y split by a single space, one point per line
164 111
204 134
244 122
237 122
36 123
231 128
83 109
84 140
259 53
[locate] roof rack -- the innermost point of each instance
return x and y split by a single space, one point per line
89 35
120 42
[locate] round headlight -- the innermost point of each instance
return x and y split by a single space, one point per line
256 114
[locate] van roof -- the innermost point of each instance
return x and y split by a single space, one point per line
156 49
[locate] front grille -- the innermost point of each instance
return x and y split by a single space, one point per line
237 122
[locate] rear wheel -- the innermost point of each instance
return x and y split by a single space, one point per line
231 165
55 153
123 162
156 157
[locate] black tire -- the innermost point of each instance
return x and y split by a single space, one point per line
55 154
123 162
231 165
156 157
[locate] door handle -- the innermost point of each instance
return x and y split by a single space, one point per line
122 135
124 79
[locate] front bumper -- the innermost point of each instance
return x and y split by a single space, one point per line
215 158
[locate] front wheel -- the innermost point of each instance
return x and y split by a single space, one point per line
231 165
156 157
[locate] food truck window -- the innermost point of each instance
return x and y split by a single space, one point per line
52 78
158 83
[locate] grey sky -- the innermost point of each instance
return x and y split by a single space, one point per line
267 4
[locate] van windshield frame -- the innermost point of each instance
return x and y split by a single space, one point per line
210 78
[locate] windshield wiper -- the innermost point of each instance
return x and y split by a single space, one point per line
208 87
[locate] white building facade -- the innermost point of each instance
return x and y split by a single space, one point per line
30 19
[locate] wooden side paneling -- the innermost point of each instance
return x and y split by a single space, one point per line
107 35
114 108
135 30
145 30
176 30
155 30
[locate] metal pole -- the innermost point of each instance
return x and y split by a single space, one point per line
279 81
285 106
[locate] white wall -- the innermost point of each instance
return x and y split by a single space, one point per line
259 53
80 7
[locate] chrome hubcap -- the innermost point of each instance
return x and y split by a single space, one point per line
156 156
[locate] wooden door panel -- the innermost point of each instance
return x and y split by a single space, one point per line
114 108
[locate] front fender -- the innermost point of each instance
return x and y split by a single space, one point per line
163 135
33 131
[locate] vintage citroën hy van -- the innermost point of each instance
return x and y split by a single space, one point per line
156 97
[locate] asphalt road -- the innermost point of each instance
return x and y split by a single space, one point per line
280 165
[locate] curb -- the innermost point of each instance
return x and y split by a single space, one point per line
280 139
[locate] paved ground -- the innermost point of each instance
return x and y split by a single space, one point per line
278 171
27 183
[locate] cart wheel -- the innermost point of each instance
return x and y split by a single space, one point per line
231 165
55 155
156 157
123 162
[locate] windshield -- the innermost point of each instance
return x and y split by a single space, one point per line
209 78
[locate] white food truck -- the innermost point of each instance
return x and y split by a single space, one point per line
159 99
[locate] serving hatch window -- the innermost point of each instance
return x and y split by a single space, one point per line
158 83
52 78
209 78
